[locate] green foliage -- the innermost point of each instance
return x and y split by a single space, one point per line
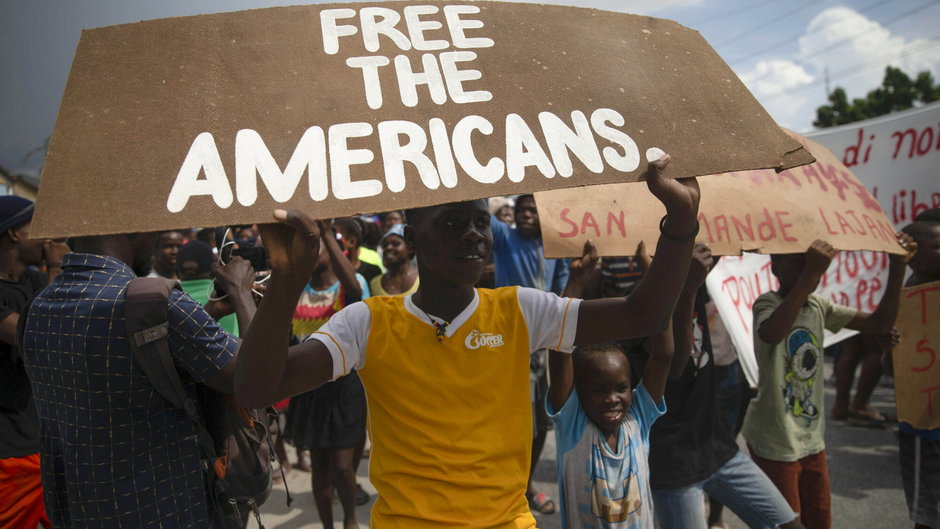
897 92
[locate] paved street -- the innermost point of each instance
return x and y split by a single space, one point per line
866 483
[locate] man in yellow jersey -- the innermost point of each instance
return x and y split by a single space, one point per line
446 369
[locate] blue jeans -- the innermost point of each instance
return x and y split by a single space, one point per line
739 485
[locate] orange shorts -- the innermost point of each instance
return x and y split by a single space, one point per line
21 493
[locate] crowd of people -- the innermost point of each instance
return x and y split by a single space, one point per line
443 340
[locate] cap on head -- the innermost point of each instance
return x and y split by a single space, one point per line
197 252
14 211
397 229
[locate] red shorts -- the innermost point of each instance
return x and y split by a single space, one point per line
21 493
805 485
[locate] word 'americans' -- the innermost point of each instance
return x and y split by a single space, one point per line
435 151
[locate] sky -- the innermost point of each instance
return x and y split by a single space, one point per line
781 49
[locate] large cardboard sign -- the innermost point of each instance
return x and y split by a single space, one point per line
854 279
345 108
916 369
760 211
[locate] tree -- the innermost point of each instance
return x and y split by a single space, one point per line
897 92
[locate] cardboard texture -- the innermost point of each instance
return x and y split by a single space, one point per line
916 369
346 108
760 211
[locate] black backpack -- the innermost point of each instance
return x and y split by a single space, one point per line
234 441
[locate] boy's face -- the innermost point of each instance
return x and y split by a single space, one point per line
927 260
788 268
603 386
453 241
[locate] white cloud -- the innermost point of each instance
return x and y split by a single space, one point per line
771 79
867 43
856 41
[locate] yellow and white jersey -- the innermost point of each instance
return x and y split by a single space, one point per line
450 420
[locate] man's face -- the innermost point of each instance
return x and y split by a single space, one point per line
927 260
167 248
527 217
30 250
392 218
453 241
603 386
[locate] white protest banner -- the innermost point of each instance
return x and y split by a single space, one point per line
895 156
916 369
350 108
853 279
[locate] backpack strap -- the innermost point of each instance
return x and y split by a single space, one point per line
145 316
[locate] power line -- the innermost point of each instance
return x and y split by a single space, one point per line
843 42
773 21
867 65
729 13
817 30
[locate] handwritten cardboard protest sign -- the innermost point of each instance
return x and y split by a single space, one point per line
916 369
853 279
345 108
761 211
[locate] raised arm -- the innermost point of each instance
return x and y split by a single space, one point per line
560 365
267 370
775 328
648 309
657 365
342 266
881 321
682 318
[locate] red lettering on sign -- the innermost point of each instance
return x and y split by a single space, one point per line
829 230
831 174
923 347
589 222
899 136
843 224
922 292
850 157
859 228
612 219
566 220
721 225
765 229
703 221
809 171
783 226
740 226
929 391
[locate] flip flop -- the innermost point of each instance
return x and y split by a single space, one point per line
542 503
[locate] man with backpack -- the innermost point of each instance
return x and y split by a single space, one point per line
115 453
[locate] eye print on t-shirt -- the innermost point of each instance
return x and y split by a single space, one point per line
802 362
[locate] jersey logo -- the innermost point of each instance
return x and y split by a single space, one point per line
477 339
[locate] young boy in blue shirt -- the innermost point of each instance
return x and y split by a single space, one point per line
602 427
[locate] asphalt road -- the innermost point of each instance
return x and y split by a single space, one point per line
863 466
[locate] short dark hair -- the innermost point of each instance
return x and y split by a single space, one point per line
584 353
918 229
931 215
350 226
520 198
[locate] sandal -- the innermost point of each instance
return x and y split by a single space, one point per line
542 503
